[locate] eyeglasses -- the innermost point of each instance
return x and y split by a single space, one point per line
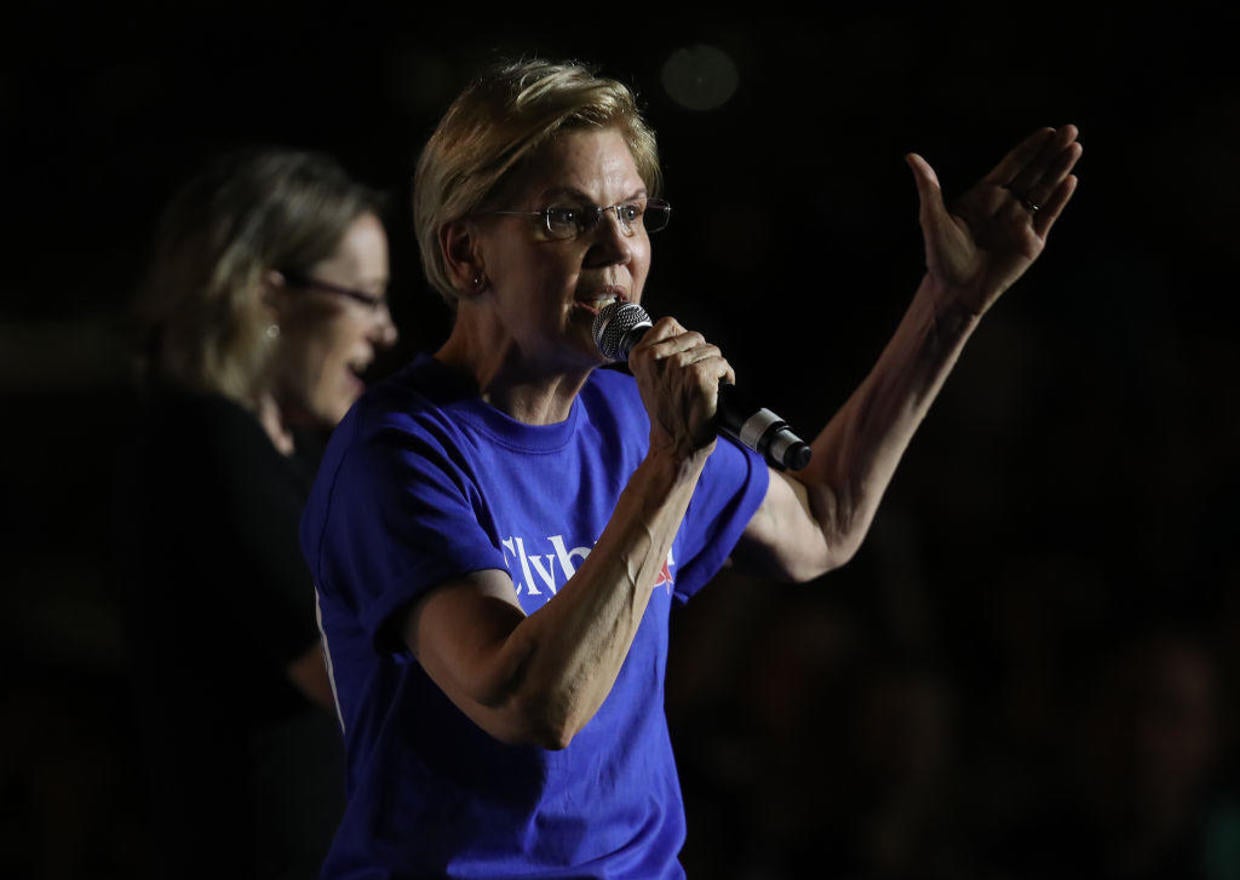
565 222
372 301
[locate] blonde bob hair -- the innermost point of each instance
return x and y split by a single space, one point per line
495 125
200 312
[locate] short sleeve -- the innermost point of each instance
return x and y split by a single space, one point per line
730 491
399 513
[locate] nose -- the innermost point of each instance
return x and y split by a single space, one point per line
610 243
383 332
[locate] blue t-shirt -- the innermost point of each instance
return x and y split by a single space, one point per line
424 482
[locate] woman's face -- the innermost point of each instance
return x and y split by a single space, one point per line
546 291
329 337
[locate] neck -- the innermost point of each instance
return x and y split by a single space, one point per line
269 416
526 392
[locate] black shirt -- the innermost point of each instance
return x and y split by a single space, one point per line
247 774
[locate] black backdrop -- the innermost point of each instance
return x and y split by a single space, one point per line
1073 478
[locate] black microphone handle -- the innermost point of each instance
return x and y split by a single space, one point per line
755 427
620 326
760 429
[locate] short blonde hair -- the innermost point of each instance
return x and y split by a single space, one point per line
200 316
497 123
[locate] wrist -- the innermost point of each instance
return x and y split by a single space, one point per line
955 306
672 462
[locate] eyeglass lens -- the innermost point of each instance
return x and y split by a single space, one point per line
570 222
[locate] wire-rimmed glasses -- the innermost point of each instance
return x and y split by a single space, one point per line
372 301
569 221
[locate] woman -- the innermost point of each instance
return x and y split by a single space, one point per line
498 531
264 303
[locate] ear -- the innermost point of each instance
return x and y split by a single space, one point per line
273 283
458 242
273 289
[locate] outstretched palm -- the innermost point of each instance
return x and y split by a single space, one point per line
981 244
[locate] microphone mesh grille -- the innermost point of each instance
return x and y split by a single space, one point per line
612 326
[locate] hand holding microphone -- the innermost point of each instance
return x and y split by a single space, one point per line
619 326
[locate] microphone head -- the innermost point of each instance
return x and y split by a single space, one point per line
615 326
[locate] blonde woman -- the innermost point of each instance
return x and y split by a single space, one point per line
264 304
499 530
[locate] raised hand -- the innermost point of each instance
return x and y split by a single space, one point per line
983 242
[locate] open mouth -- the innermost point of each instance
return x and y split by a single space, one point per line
356 371
595 303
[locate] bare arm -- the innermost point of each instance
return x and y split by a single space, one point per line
539 679
816 519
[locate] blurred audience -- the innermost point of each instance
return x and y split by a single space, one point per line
819 740
826 746
1136 790
264 304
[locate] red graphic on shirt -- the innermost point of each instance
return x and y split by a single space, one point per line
665 575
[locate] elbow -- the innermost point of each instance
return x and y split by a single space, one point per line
822 553
556 740
547 722
841 553
825 534
524 708
831 556
548 737
518 724
536 733
844 530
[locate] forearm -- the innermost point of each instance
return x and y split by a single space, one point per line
856 454
580 639
814 520
539 679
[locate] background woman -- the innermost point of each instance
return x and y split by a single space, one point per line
264 304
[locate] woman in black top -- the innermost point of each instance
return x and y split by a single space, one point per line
264 303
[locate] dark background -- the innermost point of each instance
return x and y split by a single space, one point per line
1072 485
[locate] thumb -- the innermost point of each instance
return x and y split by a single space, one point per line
928 190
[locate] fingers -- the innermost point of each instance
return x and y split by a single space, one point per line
1036 168
1044 172
1038 174
668 337
671 332
1044 219
668 341
1056 172
1019 158
679 373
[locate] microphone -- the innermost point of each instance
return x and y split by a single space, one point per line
619 326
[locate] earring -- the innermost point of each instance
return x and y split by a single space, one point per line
273 331
478 280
